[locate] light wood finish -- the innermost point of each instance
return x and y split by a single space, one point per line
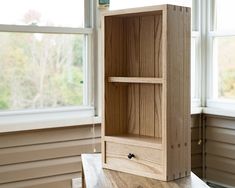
150 51
45 158
136 140
136 80
132 31
178 98
146 69
147 161
95 176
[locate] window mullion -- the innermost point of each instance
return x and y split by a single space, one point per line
44 29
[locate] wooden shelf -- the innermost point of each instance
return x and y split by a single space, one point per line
132 139
144 80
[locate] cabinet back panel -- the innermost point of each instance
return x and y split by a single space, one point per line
134 113
147 70
133 46
131 29
115 96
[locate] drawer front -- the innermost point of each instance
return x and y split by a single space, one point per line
145 161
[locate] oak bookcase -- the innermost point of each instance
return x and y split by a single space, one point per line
146 62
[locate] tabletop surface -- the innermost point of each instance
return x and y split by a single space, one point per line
94 176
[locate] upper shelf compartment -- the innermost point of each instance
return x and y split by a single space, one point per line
133 45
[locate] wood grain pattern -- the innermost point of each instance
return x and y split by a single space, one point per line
172 101
132 26
147 161
136 140
147 69
96 176
178 90
158 73
187 87
115 95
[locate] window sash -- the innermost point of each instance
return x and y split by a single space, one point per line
44 29
196 35
212 68
88 33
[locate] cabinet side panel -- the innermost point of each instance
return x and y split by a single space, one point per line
131 28
178 92
158 73
187 89
115 95
147 70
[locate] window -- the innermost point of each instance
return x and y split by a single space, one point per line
44 54
221 43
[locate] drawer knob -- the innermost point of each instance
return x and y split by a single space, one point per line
130 155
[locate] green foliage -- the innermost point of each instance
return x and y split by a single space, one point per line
226 66
4 97
227 83
40 70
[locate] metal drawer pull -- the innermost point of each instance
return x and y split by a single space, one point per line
130 155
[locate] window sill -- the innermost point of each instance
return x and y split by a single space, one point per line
213 111
196 110
219 112
19 121
84 116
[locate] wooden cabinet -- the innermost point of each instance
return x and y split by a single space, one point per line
146 128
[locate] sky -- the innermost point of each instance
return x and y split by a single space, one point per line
60 12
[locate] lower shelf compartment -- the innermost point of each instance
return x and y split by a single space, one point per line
138 140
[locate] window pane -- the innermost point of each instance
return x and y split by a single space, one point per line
224 12
40 70
43 12
225 58
195 15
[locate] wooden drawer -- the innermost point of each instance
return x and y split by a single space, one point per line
147 161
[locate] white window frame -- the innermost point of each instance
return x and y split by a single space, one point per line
196 35
212 72
64 116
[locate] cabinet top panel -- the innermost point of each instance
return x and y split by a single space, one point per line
146 9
